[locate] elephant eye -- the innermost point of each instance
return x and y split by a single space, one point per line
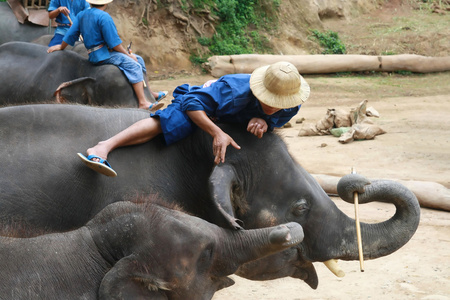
300 207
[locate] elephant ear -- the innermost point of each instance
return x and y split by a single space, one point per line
124 281
79 90
222 183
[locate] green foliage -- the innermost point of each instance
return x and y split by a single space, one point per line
330 42
404 73
145 21
429 4
197 60
204 41
388 52
241 22
200 4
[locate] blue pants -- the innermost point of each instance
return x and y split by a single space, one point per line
133 70
175 123
56 40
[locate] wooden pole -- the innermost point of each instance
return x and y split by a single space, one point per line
70 20
358 228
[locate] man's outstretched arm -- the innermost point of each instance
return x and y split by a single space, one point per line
221 140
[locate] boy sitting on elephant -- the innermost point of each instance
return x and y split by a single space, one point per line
100 37
64 11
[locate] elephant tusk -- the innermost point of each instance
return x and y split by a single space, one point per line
333 266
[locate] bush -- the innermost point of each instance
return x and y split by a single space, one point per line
240 26
330 41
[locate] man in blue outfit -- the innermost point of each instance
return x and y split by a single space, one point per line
266 99
64 11
104 46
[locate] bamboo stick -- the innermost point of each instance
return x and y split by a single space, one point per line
358 228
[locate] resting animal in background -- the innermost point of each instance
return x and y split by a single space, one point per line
104 46
129 251
12 30
30 75
77 48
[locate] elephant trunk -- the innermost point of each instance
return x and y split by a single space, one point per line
248 245
382 238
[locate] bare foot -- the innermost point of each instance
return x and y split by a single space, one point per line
98 150
145 105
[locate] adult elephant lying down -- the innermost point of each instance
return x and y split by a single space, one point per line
135 251
77 48
44 184
31 75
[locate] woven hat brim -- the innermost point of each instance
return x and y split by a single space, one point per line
99 2
275 100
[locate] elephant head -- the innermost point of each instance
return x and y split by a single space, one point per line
290 194
165 254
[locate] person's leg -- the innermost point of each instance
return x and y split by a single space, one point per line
154 94
56 40
158 96
134 73
138 133
139 90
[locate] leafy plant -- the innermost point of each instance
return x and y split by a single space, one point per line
240 26
388 52
330 42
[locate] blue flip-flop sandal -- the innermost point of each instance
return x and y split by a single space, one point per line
101 166
155 106
162 95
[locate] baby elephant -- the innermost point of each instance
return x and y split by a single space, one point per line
135 251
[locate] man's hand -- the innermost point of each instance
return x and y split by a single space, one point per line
257 127
221 140
133 56
64 10
54 48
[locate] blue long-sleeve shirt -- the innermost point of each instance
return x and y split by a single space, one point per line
229 100
74 6
97 28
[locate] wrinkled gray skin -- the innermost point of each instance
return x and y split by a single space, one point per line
77 48
12 30
31 75
44 183
135 251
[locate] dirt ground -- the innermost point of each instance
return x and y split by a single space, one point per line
414 113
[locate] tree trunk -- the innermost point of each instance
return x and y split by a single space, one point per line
319 64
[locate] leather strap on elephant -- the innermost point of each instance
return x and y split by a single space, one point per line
57 93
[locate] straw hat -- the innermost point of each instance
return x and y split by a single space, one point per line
279 85
99 2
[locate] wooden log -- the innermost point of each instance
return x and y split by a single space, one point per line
415 63
329 63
